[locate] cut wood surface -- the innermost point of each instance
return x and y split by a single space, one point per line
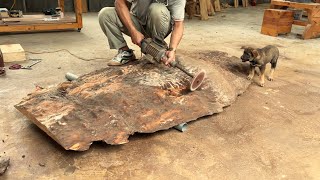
13 53
115 102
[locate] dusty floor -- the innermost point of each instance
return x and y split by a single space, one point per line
269 133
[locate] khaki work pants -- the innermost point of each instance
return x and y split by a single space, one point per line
158 24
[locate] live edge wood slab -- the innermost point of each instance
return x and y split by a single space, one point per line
113 103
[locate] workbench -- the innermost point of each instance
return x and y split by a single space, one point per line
40 22
312 26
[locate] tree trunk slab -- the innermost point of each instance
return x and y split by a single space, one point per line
115 102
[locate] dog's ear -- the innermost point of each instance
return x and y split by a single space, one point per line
244 47
255 53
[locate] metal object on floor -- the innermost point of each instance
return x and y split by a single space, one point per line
155 50
71 77
36 61
181 127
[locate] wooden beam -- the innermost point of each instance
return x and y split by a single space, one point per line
300 23
37 27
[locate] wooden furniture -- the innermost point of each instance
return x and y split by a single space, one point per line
277 21
312 26
31 23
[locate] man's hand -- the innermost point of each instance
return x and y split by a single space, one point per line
171 55
137 37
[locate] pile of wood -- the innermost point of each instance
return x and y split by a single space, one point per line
202 8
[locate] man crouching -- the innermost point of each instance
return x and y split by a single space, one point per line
146 18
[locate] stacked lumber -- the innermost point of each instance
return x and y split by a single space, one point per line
202 8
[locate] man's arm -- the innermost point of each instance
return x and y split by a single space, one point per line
176 37
124 15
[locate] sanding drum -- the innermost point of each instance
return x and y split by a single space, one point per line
156 50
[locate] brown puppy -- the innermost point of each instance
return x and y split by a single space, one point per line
260 58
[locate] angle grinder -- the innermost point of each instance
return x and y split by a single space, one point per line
155 50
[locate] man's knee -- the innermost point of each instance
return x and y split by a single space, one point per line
159 12
107 14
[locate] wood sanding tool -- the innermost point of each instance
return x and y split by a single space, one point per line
155 51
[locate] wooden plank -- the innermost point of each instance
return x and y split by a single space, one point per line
38 27
300 23
13 53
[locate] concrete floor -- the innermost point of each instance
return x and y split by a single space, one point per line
268 133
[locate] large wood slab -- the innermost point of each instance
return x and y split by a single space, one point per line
115 102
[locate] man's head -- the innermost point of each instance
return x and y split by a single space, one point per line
249 54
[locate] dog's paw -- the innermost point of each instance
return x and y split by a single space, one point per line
270 78
249 77
262 84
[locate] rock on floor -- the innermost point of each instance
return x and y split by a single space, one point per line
115 102
4 164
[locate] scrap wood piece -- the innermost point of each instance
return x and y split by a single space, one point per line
115 102
13 53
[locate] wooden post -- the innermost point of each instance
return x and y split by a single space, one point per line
203 10
78 12
61 5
